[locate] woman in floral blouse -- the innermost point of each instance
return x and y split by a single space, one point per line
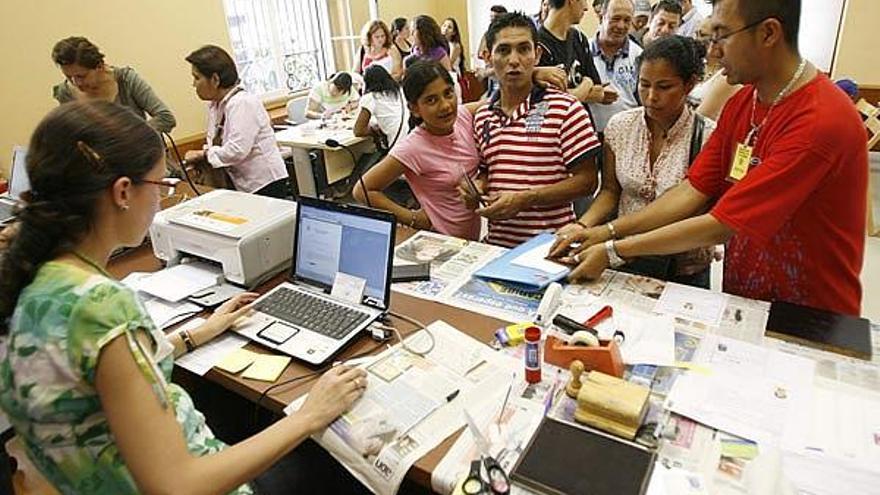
647 151
85 377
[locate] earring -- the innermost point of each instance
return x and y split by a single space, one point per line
124 207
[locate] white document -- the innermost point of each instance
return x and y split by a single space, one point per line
401 387
537 258
166 314
201 360
820 475
842 423
649 339
180 281
348 288
692 304
749 391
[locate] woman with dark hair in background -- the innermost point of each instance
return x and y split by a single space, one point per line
87 76
383 113
240 139
450 32
336 94
428 43
648 150
86 376
400 38
434 157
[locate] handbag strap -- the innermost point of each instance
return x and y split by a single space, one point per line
696 138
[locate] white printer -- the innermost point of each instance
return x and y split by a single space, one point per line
250 236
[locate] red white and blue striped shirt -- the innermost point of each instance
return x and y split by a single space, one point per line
536 146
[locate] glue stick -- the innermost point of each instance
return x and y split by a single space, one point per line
533 354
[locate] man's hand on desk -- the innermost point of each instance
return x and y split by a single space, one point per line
225 317
332 395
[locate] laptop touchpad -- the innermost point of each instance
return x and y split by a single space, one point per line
278 332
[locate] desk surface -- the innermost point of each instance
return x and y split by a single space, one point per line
313 135
478 326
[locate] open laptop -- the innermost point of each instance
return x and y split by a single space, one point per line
300 317
18 183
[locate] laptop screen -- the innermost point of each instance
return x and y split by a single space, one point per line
18 177
332 237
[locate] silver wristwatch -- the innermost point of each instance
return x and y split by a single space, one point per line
614 259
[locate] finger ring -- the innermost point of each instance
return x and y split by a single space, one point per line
357 382
577 258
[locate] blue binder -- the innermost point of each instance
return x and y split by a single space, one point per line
525 278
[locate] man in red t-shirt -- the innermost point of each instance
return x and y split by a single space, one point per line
783 178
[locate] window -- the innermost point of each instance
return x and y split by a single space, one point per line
280 46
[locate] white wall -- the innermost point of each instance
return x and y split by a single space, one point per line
820 23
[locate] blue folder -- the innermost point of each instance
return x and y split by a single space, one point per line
525 278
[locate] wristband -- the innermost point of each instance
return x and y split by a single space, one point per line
187 340
612 230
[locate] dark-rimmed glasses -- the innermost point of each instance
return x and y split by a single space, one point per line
719 39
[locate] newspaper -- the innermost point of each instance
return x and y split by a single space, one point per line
508 433
412 403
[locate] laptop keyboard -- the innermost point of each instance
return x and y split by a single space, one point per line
311 312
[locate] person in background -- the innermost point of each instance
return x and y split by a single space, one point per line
336 94
712 93
537 146
614 55
450 31
640 21
563 45
86 376
87 76
542 14
240 139
665 19
376 48
433 157
428 43
781 183
690 20
485 73
383 114
400 38
598 6
649 149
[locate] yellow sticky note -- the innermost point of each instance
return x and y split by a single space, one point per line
266 368
237 361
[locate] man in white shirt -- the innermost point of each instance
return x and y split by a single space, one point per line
690 20
614 54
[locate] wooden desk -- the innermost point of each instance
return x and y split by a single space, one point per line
338 163
476 325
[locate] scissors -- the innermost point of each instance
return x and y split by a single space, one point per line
474 484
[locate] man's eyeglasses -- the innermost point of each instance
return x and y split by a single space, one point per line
166 185
719 39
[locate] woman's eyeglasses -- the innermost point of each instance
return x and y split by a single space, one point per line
166 185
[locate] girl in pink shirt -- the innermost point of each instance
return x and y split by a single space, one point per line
433 157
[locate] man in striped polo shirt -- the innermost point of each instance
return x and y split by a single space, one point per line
538 146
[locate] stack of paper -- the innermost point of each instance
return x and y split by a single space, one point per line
180 281
163 313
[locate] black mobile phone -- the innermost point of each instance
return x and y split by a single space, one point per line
411 273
